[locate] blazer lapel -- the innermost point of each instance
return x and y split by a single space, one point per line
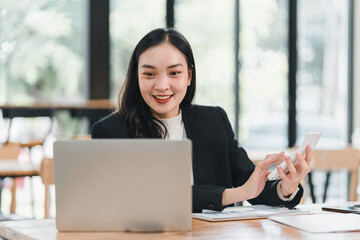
192 133
188 123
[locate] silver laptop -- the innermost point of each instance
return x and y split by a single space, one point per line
123 185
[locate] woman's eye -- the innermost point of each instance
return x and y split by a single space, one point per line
148 74
174 73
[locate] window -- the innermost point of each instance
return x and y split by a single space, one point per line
42 51
52 59
263 74
322 78
129 22
211 36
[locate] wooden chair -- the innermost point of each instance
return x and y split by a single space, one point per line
334 160
83 137
47 178
9 151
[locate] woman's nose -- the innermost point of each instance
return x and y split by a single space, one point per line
162 83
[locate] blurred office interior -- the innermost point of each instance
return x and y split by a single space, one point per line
280 68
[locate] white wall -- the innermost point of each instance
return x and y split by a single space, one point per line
357 65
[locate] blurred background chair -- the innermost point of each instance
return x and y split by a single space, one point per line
9 153
10 167
336 160
47 178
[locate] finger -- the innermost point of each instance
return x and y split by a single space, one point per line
290 165
282 173
301 159
270 159
309 154
274 158
303 168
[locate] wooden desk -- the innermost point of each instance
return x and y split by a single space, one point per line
246 229
249 229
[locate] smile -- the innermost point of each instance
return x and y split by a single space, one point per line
162 98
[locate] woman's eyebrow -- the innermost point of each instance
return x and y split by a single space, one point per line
171 66
175 65
147 66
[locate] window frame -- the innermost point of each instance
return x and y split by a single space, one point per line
99 59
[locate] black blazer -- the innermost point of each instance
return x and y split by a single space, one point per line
218 161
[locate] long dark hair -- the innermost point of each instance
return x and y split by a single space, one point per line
132 107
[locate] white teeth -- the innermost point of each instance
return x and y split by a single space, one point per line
162 97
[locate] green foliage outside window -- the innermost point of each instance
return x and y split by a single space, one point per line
41 51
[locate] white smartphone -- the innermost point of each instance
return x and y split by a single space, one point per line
311 139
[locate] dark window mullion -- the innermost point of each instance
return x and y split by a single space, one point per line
237 67
99 49
170 22
292 72
350 71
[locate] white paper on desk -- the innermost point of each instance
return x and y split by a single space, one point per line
322 222
246 212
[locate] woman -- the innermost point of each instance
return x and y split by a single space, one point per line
155 102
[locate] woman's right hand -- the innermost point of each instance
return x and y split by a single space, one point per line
255 184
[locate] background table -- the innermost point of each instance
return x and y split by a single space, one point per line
12 168
91 109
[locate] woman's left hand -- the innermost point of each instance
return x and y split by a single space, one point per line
291 180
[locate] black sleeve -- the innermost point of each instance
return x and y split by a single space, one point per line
207 197
242 168
239 167
270 197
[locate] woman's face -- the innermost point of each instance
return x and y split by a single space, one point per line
163 79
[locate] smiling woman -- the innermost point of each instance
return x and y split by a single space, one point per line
163 79
160 80
155 102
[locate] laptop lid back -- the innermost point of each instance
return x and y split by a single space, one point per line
123 185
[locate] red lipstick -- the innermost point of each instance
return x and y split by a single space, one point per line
162 98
